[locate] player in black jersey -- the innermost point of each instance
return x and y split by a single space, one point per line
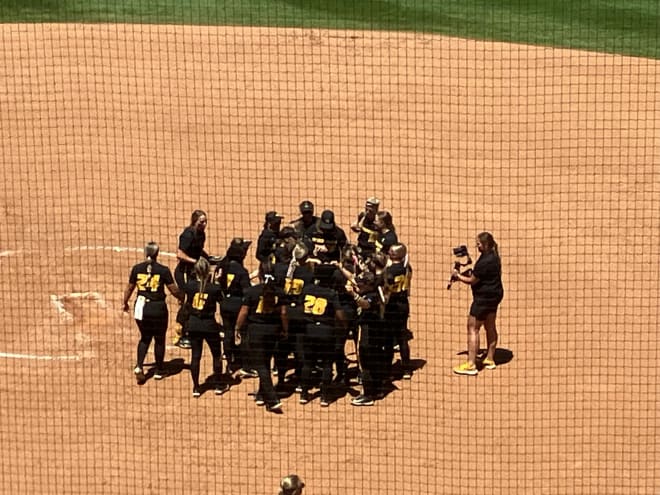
265 314
267 241
151 314
397 278
202 299
299 273
343 279
321 308
234 280
375 341
189 250
306 218
328 238
386 236
366 229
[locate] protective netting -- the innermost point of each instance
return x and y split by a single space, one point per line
113 132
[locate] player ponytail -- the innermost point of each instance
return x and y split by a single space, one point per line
269 299
202 271
151 253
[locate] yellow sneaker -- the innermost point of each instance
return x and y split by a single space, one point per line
489 364
466 369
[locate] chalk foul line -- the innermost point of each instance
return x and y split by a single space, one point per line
36 357
6 253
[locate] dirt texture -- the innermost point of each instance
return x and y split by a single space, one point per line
112 134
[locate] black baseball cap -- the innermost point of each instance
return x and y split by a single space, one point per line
306 207
287 232
273 217
237 248
327 220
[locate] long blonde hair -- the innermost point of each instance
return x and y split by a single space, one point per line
202 271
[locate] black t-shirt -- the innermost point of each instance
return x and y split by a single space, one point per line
280 269
320 304
253 299
266 245
151 286
488 269
334 241
202 304
372 316
368 235
191 242
300 227
397 279
386 241
293 287
339 284
238 280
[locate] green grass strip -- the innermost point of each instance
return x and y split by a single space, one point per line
629 27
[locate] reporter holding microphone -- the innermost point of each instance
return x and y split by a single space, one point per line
487 293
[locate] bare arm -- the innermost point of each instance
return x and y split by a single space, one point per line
284 316
240 322
357 225
466 279
176 292
348 275
127 295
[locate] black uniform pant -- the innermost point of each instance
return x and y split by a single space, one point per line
341 336
292 344
397 320
318 346
197 344
182 274
262 339
152 329
232 352
375 359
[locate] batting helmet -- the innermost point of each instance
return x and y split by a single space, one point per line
291 485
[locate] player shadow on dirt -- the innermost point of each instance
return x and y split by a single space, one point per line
502 356
170 368
351 384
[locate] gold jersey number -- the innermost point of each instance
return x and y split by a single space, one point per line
199 300
315 305
401 283
260 306
148 282
294 286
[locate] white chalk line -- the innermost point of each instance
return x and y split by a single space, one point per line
72 249
58 301
115 249
35 357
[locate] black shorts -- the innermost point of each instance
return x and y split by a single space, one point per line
152 327
481 309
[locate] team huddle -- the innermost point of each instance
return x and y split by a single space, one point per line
292 317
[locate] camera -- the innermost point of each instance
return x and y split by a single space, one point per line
460 251
462 261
